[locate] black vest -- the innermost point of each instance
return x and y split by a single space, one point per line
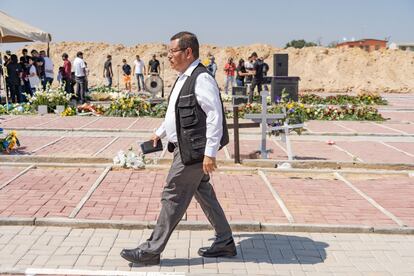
190 121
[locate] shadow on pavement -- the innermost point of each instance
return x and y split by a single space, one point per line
263 248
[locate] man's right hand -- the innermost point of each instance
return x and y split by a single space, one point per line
154 139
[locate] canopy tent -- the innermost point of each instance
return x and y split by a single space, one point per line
13 30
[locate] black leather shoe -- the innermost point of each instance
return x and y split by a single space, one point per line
138 256
222 249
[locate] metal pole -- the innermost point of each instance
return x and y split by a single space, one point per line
263 151
162 91
236 134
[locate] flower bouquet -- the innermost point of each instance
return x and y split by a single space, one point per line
129 160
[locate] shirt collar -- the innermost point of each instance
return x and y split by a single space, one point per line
191 68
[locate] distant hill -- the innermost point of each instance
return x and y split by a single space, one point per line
320 69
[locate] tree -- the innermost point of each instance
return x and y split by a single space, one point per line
300 44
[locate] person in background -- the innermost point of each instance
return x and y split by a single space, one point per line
257 73
139 70
241 73
48 65
79 67
59 77
108 73
154 66
265 69
34 79
39 62
212 66
248 64
67 73
126 71
14 72
24 79
25 56
229 70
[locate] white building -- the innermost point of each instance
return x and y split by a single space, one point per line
402 46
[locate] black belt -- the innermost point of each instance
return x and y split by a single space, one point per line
171 146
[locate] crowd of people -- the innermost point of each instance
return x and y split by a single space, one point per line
138 69
26 73
252 71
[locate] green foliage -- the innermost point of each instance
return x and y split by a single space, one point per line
300 44
362 98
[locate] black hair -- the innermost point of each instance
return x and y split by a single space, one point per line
187 40
64 55
78 54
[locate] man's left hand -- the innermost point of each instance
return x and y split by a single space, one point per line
209 164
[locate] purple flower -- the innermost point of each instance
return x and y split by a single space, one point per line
277 99
291 110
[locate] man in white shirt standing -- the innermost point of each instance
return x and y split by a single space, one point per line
196 129
139 69
79 68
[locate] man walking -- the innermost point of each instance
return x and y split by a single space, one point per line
107 72
195 128
139 69
79 67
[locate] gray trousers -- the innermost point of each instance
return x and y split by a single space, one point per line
183 182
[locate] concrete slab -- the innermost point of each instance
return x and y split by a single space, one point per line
46 192
405 146
126 195
366 127
243 197
69 122
399 116
31 143
375 152
250 149
394 193
325 127
26 121
317 150
320 200
407 128
7 173
147 124
75 147
111 123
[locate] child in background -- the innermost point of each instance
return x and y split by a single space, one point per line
126 71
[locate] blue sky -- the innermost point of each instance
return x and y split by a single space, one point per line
220 22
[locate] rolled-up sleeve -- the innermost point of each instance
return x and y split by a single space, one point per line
208 97
160 132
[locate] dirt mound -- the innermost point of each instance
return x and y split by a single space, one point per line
320 69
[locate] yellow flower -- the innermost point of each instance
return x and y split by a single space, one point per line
302 105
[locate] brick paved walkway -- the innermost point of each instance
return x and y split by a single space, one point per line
127 195
25 249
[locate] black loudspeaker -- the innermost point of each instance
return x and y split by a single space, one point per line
280 65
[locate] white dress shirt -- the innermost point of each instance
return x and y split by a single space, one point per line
208 97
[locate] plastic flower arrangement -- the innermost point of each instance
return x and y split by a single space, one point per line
10 142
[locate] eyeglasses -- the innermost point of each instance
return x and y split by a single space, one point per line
172 51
